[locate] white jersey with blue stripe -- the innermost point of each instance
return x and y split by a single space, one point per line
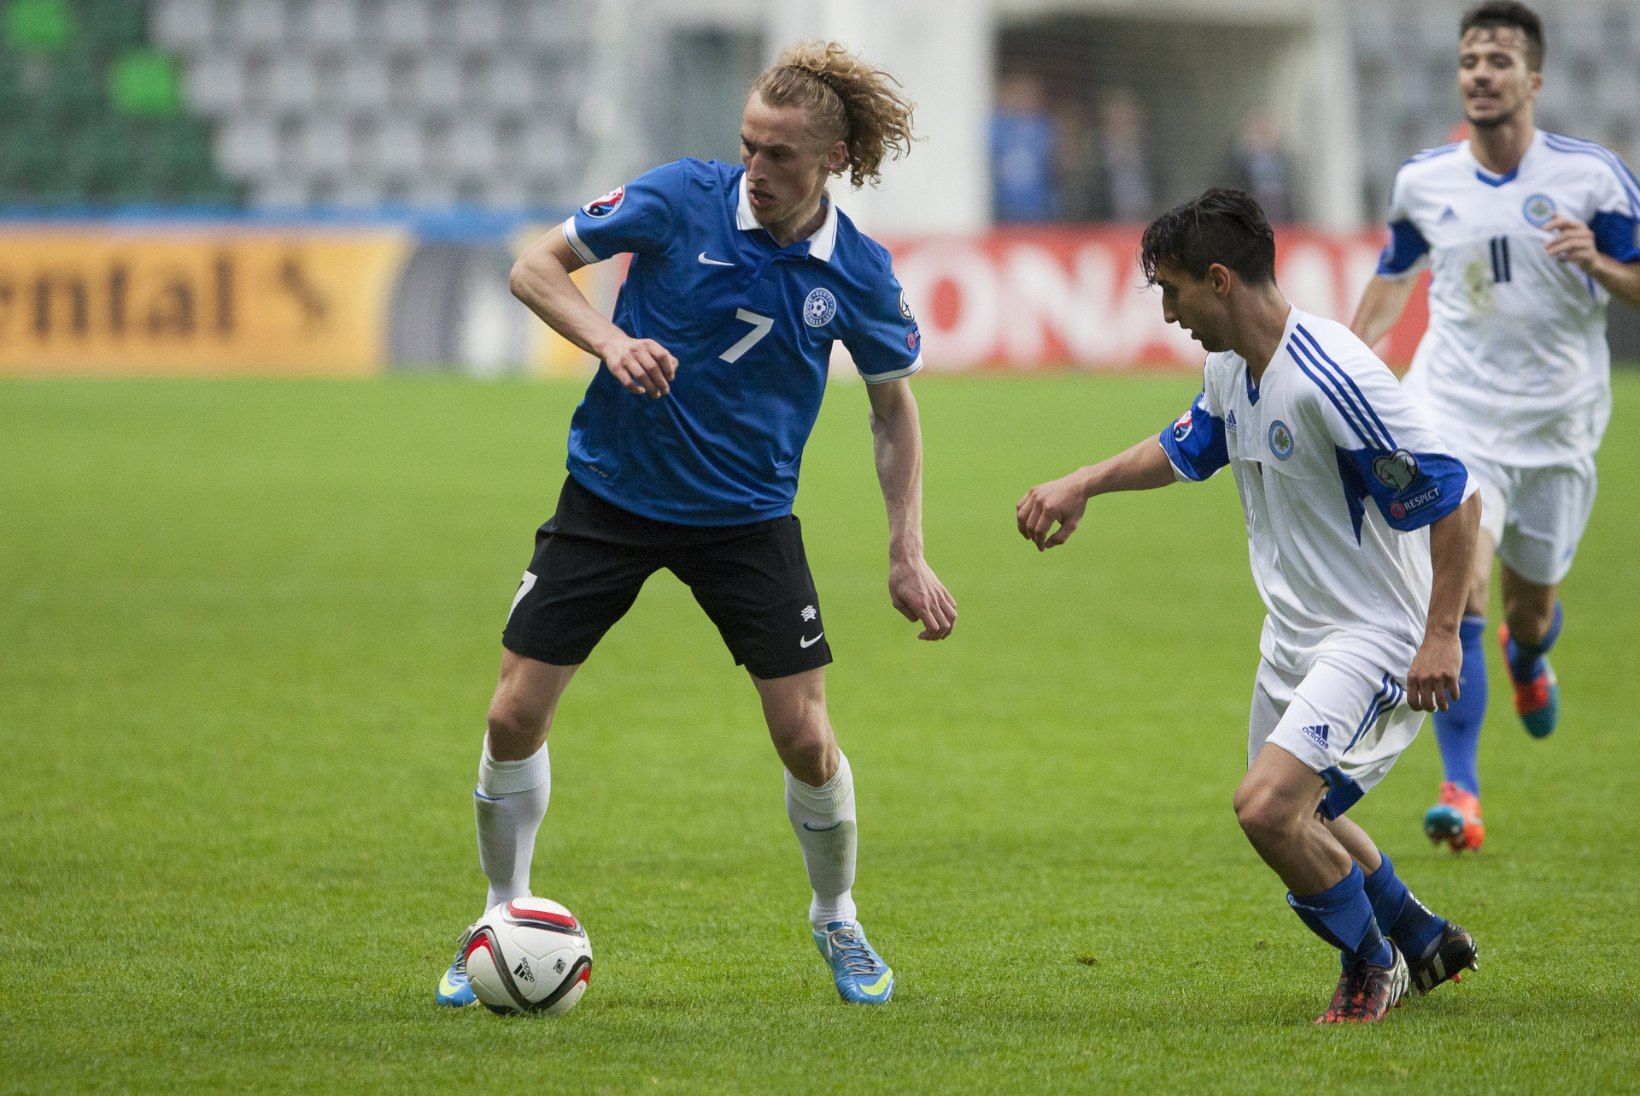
1340 473
751 324
1514 365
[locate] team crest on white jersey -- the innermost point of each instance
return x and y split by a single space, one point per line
1538 209
1397 469
819 307
1281 440
609 203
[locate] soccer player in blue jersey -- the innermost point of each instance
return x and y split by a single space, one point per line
1360 527
1527 235
684 455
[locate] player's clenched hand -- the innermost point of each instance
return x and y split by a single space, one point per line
1063 501
919 595
643 366
1573 241
1432 680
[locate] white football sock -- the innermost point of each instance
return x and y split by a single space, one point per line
508 805
823 819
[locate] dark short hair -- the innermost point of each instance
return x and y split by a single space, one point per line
1221 226
1492 14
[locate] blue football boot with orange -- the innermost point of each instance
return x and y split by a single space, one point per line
1456 819
1537 701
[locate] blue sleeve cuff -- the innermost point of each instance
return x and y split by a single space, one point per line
1406 246
1616 234
1195 442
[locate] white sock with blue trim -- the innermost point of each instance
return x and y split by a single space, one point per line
823 819
508 806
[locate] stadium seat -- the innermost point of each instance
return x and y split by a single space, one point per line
185 25
110 27
473 145
365 88
556 22
254 24
175 154
248 147
324 147
282 191
74 87
505 84
143 83
403 25
215 85
479 25
333 24
399 147
39 26
437 83
549 158
292 82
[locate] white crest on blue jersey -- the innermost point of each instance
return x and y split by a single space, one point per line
819 307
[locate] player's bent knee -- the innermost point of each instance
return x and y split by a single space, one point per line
810 756
516 727
1265 817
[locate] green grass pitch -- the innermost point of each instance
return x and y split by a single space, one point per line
248 631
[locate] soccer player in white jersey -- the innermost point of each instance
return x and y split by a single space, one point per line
684 455
1527 235
1360 527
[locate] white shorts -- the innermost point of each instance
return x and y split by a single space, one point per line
1536 516
1346 719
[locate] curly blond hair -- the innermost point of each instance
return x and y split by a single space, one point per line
847 100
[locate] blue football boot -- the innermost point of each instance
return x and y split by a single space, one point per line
861 975
1537 701
454 991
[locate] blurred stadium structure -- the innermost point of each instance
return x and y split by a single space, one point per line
467 124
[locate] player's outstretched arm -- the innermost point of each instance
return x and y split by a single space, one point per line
1382 303
896 439
540 278
1574 242
1432 680
1063 501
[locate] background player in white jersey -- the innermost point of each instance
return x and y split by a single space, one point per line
684 454
1527 235
1360 528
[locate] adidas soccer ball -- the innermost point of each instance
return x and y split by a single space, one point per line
529 955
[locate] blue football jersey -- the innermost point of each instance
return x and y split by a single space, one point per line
751 324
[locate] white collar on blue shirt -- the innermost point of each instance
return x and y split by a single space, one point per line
821 242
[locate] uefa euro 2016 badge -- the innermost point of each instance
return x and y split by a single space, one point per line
609 203
1281 440
1538 209
819 307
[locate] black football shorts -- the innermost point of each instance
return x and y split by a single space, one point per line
592 557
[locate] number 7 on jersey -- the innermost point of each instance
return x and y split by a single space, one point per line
760 328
